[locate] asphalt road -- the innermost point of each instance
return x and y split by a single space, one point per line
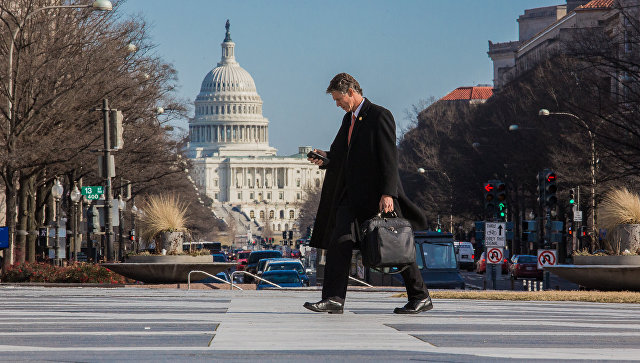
158 325
476 281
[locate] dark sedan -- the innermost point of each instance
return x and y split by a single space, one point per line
525 266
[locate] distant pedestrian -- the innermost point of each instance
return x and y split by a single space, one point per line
361 180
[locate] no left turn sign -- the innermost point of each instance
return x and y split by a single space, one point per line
494 255
546 258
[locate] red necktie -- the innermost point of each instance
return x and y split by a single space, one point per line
353 121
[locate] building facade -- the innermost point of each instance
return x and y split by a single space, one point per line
252 188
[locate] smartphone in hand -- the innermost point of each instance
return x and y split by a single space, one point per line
314 155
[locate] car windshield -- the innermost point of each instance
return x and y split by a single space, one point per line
527 259
286 266
439 255
242 255
257 256
281 278
219 258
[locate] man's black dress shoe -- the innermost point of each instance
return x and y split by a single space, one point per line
325 306
415 306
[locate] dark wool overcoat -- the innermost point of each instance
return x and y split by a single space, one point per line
366 169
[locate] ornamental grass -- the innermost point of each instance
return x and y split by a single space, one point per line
163 213
74 273
620 206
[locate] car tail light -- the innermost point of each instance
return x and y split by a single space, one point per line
483 260
473 257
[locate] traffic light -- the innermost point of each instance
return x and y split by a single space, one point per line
489 199
501 197
290 234
550 188
93 220
572 196
284 234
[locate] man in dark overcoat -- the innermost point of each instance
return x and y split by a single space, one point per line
361 180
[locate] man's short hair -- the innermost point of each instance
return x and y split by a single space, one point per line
342 82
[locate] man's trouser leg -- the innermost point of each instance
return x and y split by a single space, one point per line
336 271
416 289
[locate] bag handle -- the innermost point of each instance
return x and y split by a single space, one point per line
381 270
391 214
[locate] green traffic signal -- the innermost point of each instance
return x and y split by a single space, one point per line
571 201
501 214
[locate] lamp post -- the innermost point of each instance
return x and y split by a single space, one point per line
75 198
592 139
121 206
134 212
56 192
422 171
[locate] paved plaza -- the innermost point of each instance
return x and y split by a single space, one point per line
138 324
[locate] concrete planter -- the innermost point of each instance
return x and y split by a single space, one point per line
172 241
170 259
606 260
625 237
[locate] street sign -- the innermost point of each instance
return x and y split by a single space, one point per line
495 234
93 192
547 258
577 216
495 255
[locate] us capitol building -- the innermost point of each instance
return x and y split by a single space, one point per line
254 190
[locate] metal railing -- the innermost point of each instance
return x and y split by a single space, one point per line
360 281
232 285
255 277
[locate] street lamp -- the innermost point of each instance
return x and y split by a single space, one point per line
75 198
592 138
121 206
56 192
134 212
422 171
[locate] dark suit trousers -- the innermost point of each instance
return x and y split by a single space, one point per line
338 264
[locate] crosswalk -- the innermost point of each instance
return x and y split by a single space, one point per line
139 324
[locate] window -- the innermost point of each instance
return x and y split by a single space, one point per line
252 214
298 196
291 214
269 195
281 214
261 214
252 196
215 196
240 195
257 183
215 182
298 182
317 183
271 214
278 227
281 195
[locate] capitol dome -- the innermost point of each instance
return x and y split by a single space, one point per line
228 111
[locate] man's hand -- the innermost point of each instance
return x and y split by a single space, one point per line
386 204
318 161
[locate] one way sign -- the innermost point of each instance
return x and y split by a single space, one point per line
495 234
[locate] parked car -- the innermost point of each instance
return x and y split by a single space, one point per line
525 266
481 265
254 258
465 255
277 264
283 278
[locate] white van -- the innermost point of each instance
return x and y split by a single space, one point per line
464 254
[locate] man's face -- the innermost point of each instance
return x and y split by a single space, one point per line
346 101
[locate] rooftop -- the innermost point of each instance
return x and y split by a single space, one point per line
597 4
469 93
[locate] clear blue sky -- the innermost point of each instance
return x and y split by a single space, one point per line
399 51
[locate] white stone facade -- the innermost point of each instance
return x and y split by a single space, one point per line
233 162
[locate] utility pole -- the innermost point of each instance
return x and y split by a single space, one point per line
106 170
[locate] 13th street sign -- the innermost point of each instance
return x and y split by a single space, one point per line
495 234
93 192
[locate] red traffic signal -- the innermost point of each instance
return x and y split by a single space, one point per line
550 177
488 187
